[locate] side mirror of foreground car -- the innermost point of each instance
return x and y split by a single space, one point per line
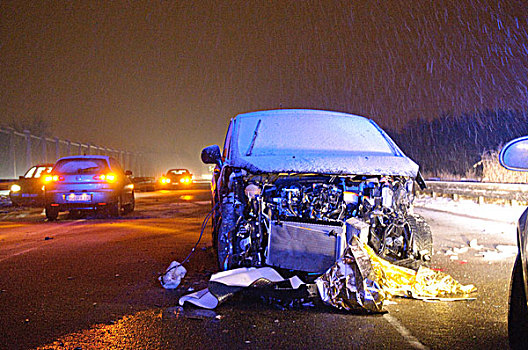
514 156
212 155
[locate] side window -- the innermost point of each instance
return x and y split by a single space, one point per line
114 164
227 142
30 172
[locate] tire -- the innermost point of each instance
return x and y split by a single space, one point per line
422 243
226 223
130 206
115 208
517 311
52 213
422 237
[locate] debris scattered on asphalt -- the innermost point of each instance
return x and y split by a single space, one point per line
359 281
474 245
263 281
192 313
173 275
501 251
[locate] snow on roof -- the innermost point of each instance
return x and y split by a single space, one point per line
314 141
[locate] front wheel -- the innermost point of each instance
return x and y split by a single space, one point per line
421 247
52 213
518 311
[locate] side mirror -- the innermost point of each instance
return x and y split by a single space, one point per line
20 177
212 155
514 156
128 173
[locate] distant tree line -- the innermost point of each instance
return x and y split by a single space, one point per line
454 144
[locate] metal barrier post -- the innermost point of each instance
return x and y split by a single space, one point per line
12 152
28 148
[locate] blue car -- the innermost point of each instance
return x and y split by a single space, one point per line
514 156
88 183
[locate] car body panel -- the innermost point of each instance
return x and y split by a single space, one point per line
514 156
320 142
521 243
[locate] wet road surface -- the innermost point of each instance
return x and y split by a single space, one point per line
91 283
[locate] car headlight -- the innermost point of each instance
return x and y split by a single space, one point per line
185 180
15 188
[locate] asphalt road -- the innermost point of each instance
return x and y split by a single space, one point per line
91 283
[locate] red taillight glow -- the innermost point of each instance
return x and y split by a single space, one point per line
53 178
110 177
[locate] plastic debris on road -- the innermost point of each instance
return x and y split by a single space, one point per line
173 275
359 281
223 285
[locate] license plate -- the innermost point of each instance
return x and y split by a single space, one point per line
72 197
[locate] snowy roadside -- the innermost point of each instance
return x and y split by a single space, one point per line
486 230
500 213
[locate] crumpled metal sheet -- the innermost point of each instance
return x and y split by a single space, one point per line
361 280
350 284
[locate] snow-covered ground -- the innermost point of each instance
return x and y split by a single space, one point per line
496 212
487 231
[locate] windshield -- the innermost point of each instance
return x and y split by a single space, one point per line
296 133
178 172
80 166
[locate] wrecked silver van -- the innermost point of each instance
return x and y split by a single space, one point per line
291 187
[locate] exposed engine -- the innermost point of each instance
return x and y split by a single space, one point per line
303 222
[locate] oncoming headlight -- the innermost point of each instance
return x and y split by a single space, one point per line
15 188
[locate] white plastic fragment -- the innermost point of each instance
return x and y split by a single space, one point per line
173 275
241 277
507 249
461 250
473 244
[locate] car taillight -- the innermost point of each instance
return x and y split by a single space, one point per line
53 178
110 177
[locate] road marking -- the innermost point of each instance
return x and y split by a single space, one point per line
405 333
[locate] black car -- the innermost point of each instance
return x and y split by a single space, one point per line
175 178
28 189
514 156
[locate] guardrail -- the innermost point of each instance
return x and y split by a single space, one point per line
478 191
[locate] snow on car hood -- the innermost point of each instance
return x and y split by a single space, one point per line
311 141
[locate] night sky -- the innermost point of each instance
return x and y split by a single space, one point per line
165 77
